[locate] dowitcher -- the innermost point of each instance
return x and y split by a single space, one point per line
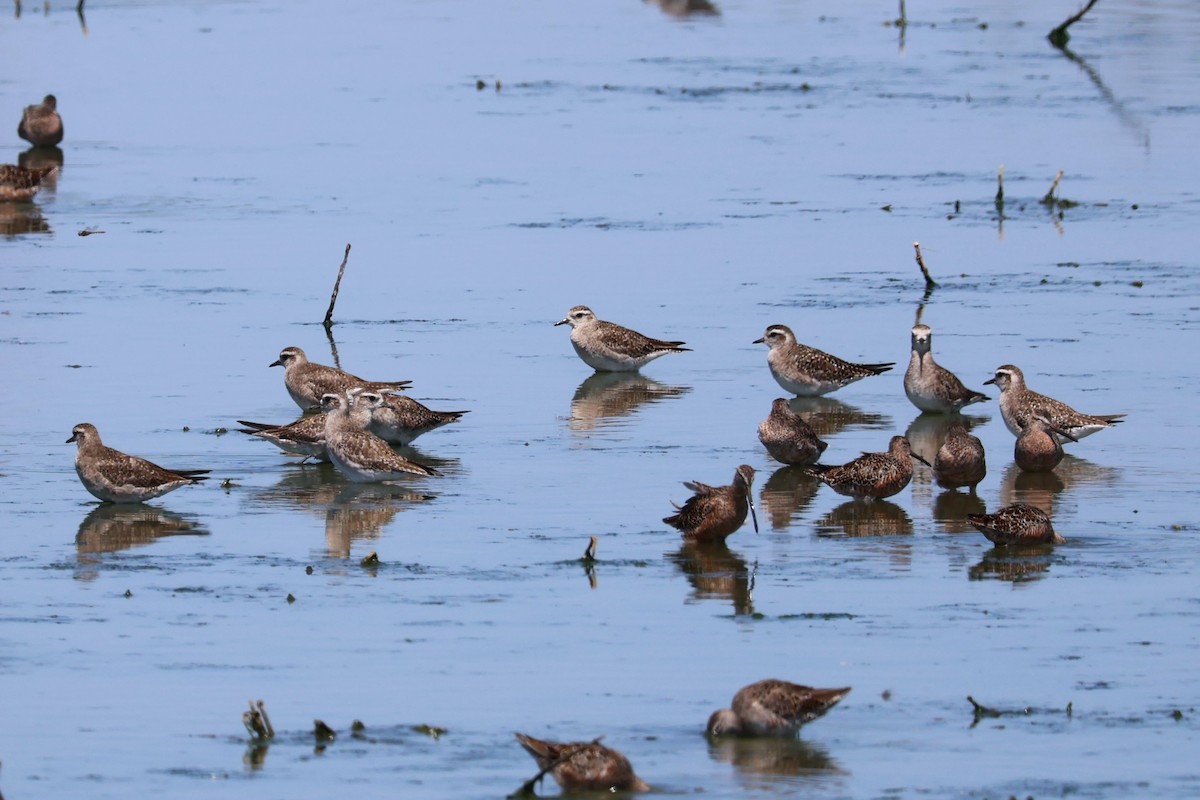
19 185
960 460
1019 523
1038 447
714 512
356 452
609 347
872 475
1017 402
583 766
788 438
40 124
773 708
806 371
307 381
929 385
117 477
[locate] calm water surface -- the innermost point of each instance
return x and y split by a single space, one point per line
696 178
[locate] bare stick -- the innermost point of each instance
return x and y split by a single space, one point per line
337 285
1059 36
1049 199
903 20
929 282
590 553
1000 188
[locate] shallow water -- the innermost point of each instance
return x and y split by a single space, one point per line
695 178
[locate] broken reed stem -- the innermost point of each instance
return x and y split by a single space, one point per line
1049 199
1059 36
903 20
337 285
929 282
590 553
1000 188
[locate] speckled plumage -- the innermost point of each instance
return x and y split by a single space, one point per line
1019 523
715 512
356 452
960 461
304 437
609 347
929 385
1039 445
806 371
117 477
787 437
307 381
872 475
583 766
773 708
19 185
401 419
1018 401
40 123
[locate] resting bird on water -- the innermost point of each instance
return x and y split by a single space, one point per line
872 475
773 708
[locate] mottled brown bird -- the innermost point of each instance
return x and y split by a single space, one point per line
306 381
788 438
1018 401
872 475
714 512
1017 524
40 124
609 347
1038 447
929 385
583 766
960 461
806 371
19 185
117 477
773 708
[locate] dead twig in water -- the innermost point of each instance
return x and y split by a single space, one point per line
930 283
257 723
1050 199
590 553
337 285
1000 189
1059 36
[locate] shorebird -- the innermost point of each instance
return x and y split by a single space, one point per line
1017 402
1039 447
714 512
306 381
40 124
960 460
401 419
806 371
117 477
929 385
1019 523
788 438
19 185
609 347
773 708
872 475
356 452
304 437
583 766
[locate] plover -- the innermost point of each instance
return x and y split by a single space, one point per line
1019 523
356 452
1038 447
307 381
583 766
872 475
40 124
960 461
929 385
401 419
806 371
19 185
304 437
609 347
773 708
1017 402
116 477
714 512
788 438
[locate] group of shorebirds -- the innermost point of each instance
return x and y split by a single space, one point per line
41 126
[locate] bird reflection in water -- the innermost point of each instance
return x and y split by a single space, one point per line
787 494
686 8
828 416
764 757
927 432
604 398
110 527
716 572
1014 564
859 518
43 158
1042 489
362 510
951 507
